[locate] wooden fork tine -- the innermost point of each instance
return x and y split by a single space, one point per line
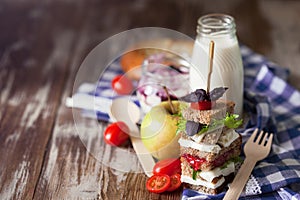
263 142
252 137
269 143
259 137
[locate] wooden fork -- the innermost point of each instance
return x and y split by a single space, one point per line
255 150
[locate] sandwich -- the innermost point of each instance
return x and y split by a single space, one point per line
209 145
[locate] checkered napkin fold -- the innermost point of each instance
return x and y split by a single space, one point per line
272 105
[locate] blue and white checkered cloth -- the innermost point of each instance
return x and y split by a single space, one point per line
272 105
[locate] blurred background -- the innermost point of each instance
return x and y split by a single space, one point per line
30 29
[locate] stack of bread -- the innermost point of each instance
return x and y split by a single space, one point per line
209 145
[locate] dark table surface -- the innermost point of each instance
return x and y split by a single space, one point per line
43 43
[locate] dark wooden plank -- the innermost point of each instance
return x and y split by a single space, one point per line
33 67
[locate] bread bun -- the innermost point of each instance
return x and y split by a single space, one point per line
132 60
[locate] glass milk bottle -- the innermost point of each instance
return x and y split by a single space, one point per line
227 63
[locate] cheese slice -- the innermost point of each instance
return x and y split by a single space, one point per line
199 146
187 179
208 176
226 139
198 137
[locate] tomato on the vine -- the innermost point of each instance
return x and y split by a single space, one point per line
168 166
116 133
158 183
122 85
203 105
175 182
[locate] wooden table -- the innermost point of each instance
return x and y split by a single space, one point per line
43 43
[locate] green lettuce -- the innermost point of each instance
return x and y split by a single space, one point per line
195 173
230 121
181 123
236 160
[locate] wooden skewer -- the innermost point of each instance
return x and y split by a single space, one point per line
211 57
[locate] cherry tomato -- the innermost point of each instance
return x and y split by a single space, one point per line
168 166
158 183
116 133
203 105
175 182
122 85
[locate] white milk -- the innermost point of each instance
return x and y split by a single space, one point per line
227 63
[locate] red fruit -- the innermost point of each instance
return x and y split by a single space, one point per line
158 183
175 182
116 133
203 105
168 166
122 85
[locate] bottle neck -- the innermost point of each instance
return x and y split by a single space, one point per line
216 25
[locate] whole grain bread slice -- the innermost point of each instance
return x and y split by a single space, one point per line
207 116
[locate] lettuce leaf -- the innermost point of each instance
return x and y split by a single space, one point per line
195 174
236 160
232 121
181 123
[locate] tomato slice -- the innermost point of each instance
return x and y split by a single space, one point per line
158 183
203 105
194 161
175 182
116 133
122 85
168 166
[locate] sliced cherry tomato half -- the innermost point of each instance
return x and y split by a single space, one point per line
168 166
158 183
116 133
203 105
175 182
122 85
